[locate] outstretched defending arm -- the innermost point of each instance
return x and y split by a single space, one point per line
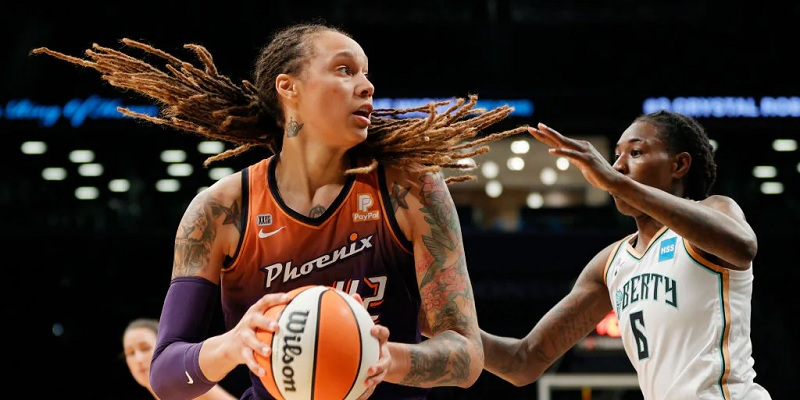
523 361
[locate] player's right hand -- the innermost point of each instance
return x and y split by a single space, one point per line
241 341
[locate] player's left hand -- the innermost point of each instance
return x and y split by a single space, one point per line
377 372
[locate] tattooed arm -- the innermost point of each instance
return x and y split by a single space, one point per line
522 361
209 230
453 354
186 363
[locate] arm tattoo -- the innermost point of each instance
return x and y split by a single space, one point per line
444 236
425 370
443 277
293 127
316 211
197 232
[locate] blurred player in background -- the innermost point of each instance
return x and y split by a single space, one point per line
138 344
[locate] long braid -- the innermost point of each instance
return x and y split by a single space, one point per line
193 100
247 115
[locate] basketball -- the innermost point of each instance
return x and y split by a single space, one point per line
322 349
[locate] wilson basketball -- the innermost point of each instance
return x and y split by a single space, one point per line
322 349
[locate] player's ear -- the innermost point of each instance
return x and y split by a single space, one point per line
681 165
285 86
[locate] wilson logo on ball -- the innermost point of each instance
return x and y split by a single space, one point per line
296 327
322 349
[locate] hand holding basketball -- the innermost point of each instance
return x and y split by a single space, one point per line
323 349
241 341
378 371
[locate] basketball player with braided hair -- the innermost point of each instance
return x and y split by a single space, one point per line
351 197
680 286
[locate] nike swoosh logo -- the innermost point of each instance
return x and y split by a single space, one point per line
191 381
263 234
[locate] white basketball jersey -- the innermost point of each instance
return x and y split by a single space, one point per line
685 322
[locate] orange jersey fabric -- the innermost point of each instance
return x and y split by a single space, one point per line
355 246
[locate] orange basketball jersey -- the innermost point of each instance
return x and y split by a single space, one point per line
356 246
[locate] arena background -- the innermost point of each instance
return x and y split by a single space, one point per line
78 270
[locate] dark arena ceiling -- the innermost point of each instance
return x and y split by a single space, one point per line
587 69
